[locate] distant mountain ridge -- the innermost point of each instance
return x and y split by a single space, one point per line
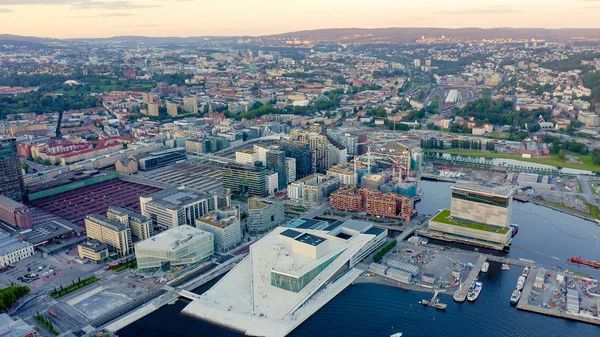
392 34
412 34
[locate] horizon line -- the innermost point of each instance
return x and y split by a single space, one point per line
295 31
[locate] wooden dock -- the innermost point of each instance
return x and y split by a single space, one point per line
461 295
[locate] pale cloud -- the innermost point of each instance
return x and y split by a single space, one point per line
140 26
121 4
487 10
5 10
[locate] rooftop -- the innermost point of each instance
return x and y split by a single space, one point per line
173 198
310 239
444 217
94 245
220 218
172 239
106 222
483 190
10 203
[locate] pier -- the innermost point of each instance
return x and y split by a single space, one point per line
524 304
461 294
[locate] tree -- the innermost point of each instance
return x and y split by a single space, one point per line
561 154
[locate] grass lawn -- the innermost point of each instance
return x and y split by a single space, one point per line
586 160
443 218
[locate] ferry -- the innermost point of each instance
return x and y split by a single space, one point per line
526 271
514 299
485 267
474 291
520 282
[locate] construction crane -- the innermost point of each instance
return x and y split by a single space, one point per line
369 143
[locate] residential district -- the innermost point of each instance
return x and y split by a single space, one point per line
133 172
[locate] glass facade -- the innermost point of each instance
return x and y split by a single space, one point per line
296 284
480 198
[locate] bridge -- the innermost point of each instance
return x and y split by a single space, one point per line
189 295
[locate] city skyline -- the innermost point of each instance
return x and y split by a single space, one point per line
107 18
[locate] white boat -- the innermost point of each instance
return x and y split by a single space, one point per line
474 291
520 282
397 334
485 267
526 271
505 266
514 299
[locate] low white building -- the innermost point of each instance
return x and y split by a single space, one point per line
177 246
225 225
13 250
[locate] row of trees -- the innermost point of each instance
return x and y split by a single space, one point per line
10 295
46 322
465 144
432 143
380 254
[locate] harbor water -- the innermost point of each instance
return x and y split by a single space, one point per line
546 236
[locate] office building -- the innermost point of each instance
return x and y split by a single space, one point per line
153 109
161 159
313 189
111 232
301 153
244 180
198 146
172 109
15 213
93 250
287 276
225 226
13 250
14 328
272 182
479 215
264 215
347 173
190 105
176 207
247 157
140 226
262 153
179 246
11 176
290 170
276 161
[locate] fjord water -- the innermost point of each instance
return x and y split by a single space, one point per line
546 236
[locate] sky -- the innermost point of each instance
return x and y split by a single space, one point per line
106 18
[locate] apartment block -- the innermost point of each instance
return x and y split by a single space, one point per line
15 213
225 226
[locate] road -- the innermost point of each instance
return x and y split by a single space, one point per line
584 181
